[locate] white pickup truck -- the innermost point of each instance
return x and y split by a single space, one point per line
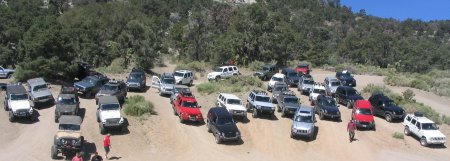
423 128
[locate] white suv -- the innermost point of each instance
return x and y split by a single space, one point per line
233 104
223 72
276 78
423 128
316 90
184 77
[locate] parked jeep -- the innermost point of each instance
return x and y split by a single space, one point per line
187 109
292 77
108 114
39 91
288 103
6 73
220 122
346 78
331 85
385 107
303 123
266 71
223 72
363 115
68 139
90 85
305 85
275 78
258 102
302 68
347 96
177 90
233 104
136 80
113 88
66 104
425 129
326 107
165 84
17 103
278 88
316 90
184 77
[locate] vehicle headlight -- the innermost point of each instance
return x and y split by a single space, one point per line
30 111
121 120
394 113
222 134
258 106
325 111
237 133
343 82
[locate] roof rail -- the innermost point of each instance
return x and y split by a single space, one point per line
291 93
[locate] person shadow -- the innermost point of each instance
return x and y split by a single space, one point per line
114 158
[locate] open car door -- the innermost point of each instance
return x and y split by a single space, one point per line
156 82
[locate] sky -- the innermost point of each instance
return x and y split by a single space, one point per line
426 10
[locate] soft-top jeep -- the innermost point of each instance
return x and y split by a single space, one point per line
17 103
108 114
68 139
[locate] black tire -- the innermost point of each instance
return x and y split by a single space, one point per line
9 75
255 113
283 114
217 78
124 128
208 126
321 116
54 152
388 117
11 117
191 83
102 129
217 138
174 111
348 104
278 108
406 131
248 107
5 106
56 119
423 141
181 118
88 94
264 78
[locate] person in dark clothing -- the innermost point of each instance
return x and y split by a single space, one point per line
96 157
351 127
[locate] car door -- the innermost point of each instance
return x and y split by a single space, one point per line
156 82
230 71
413 128
2 72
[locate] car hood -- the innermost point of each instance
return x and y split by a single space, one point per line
227 128
167 86
83 84
133 81
365 118
355 97
303 125
265 104
20 104
432 133
292 105
8 70
190 111
331 109
214 73
307 85
314 95
110 114
41 93
177 78
236 107
65 108
294 78
68 134
348 79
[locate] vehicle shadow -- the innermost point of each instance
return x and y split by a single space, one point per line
88 150
198 124
82 113
42 106
34 118
268 117
233 143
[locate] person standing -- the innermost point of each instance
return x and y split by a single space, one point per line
96 157
77 157
351 127
107 144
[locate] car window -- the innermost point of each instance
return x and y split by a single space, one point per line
178 74
262 99
413 121
302 118
429 126
335 83
280 88
169 81
69 127
408 118
277 79
329 102
19 97
235 68
225 121
234 102
265 68
106 107
110 87
418 125
67 101
290 100
308 82
189 104
225 70
40 87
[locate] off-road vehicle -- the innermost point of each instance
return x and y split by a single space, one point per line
346 78
90 85
184 77
385 107
220 122
164 84
5 72
302 68
136 80
363 115
316 90
258 102
275 78
425 129
278 88
39 91
305 85
17 103
67 103
223 72
303 123
68 139
288 103
326 107
187 109
347 96
266 71
113 88
108 114
292 77
233 104
331 85
177 90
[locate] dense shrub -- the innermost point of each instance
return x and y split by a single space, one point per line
137 106
51 68
255 65
232 85
117 66
195 66
398 135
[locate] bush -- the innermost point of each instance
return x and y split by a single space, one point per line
208 87
446 120
398 135
195 66
138 106
52 68
408 95
255 65
117 66
232 85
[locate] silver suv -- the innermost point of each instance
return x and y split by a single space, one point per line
39 91
305 85
331 84
303 124
164 84
259 102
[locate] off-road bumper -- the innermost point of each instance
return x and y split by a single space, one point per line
367 125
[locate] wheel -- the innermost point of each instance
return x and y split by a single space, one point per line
278 108
248 107
217 138
264 78
11 117
8 76
283 114
255 113
348 104
423 141
388 118
54 152
88 94
217 78
5 105
208 127
406 131
180 118
292 135
174 111
102 130
191 82
56 119
321 116
124 128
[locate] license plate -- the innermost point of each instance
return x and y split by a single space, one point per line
192 118
364 125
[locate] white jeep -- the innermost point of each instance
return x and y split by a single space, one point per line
423 128
223 72
316 90
17 103
233 104
184 77
275 78
108 114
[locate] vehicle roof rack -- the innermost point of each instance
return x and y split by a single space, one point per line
260 92
418 114
291 93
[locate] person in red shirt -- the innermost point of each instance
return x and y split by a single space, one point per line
77 157
107 144
351 127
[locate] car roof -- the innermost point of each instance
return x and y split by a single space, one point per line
183 71
70 119
289 70
304 108
36 81
423 119
180 86
323 97
280 84
229 96
220 112
302 64
363 104
107 99
187 98
167 75
67 96
278 75
15 89
331 78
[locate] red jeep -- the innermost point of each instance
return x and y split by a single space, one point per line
363 115
187 109
302 68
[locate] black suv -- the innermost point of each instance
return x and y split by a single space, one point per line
90 85
266 72
220 122
288 103
278 89
346 78
67 103
136 80
292 77
385 107
113 88
326 107
347 96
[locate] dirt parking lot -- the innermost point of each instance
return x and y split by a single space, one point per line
162 137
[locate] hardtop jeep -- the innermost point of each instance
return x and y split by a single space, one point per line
184 77
68 139
326 106
233 104
223 72
425 129
385 107
90 85
346 78
39 91
303 123
259 102
113 88
331 84
347 96
305 85
66 104
292 77
17 103
316 90
266 71
109 115
275 78
288 103
136 80
277 89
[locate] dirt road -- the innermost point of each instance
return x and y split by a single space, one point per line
162 137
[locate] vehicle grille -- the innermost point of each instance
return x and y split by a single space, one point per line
266 108
230 134
22 111
364 123
133 85
113 121
302 131
68 142
78 87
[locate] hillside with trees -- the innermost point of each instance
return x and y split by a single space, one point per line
44 41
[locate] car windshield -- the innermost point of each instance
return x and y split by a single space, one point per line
225 121
265 68
319 91
290 100
329 102
308 82
282 88
262 99
69 127
110 87
19 97
168 81
429 126
234 101
136 77
40 87
364 111
105 107
278 79
390 103
304 118
178 74
178 90
292 74
189 104
218 70
67 101
335 83
344 76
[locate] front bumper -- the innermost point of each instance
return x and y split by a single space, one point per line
301 133
224 138
238 113
399 117
331 115
435 141
367 125
266 109
135 86
167 91
47 99
290 110
22 114
193 118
